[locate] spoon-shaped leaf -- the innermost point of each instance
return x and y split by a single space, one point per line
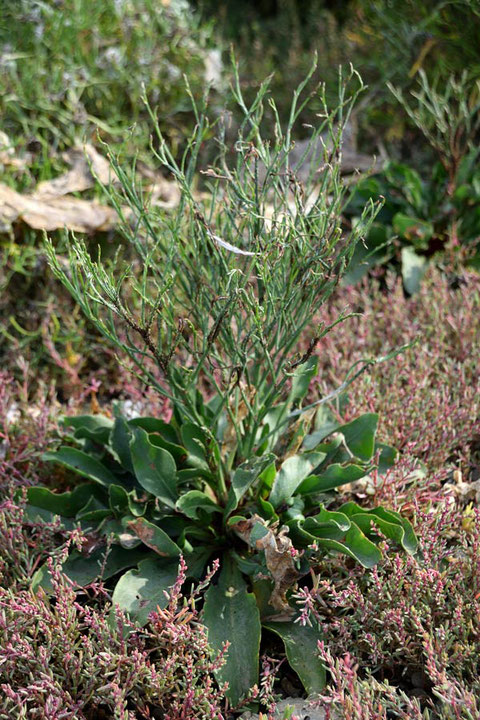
154 467
301 647
231 613
82 463
291 474
139 592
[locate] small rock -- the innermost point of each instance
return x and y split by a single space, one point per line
303 709
214 68
13 414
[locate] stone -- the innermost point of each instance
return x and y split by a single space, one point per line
302 710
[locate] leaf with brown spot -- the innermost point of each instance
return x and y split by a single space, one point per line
154 537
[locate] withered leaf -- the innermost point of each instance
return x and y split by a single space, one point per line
7 153
84 160
278 558
52 207
54 213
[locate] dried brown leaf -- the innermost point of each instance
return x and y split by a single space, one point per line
54 213
84 161
51 207
278 558
164 194
7 153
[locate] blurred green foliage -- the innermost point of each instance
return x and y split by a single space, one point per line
386 40
419 219
72 66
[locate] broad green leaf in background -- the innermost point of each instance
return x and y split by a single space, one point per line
155 425
272 425
291 474
93 512
120 438
197 560
194 500
244 477
267 477
390 523
187 474
178 452
301 647
360 434
408 181
325 424
352 542
161 434
373 251
332 477
231 613
84 569
356 545
335 450
195 442
266 510
295 509
417 231
66 504
92 427
82 463
252 566
325 518
154 467
124 503
118 500
387 459
302 378
139 592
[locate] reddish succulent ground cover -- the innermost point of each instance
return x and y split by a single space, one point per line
428 396
405 638
75 658
399 640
